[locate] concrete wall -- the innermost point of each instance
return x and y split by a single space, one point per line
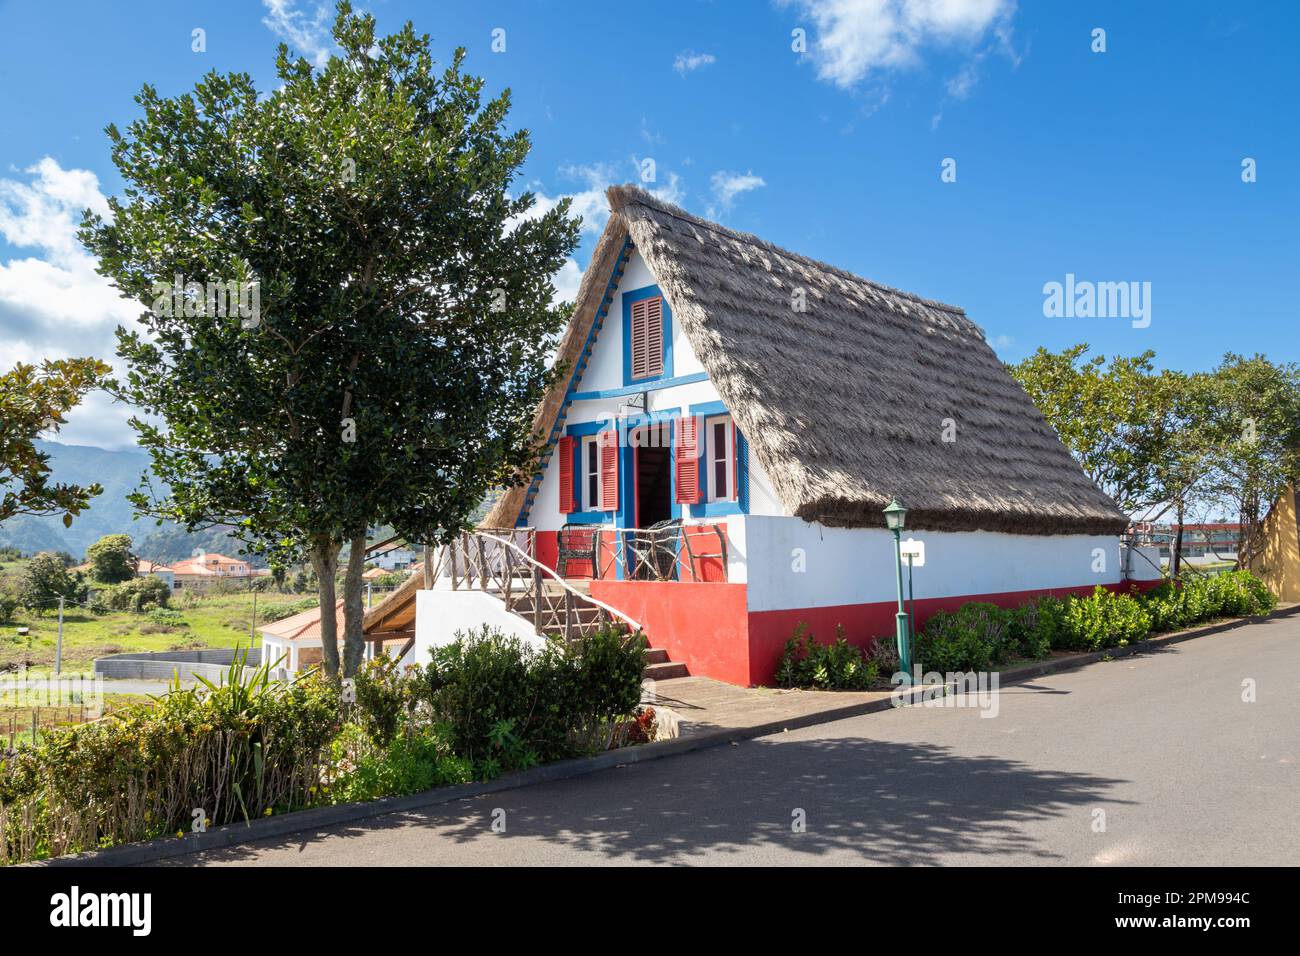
791 563
441 614
211 663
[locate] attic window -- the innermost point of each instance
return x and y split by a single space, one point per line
648 337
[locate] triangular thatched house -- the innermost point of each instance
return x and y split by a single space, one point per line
752 412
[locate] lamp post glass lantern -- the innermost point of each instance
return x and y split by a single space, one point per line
895 518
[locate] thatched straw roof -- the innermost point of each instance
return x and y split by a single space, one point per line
845 403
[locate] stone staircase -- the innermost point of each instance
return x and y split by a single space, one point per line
659 667
582 613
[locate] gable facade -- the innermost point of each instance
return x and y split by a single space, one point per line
641 408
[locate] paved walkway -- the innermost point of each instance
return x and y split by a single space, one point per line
703 704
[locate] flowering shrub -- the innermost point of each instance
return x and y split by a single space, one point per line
973 637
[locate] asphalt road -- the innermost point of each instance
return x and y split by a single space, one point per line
1184 771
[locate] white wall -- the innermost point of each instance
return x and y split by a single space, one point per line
1144 565
856 565
441 612
391 559
605 371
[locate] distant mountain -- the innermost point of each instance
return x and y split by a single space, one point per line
119 473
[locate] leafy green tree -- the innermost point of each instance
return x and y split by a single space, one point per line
394 322
111 560
1103 414
1181 413
32 400
44 581
1255 429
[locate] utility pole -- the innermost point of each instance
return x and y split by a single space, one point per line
58 648
252 628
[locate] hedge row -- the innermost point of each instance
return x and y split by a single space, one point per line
980 635
254 746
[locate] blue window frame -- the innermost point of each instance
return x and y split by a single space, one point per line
637 295
740 504
581 516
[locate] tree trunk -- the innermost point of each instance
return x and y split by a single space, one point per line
324 557
1176 562
353 607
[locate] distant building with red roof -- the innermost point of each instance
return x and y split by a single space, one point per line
203 570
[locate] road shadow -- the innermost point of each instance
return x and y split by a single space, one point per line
882 801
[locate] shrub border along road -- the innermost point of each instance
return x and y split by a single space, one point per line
303 820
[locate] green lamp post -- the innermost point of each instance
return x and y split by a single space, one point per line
895 516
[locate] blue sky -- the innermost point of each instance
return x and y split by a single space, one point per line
1117 166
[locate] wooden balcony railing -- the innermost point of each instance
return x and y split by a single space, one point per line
495 561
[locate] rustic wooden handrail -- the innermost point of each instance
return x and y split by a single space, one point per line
512 567
643 557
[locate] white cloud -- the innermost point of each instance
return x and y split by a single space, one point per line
590 203
855 38
306 34
727 186
55 305
688 61
567 281
959 87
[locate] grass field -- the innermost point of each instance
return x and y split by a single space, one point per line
222 620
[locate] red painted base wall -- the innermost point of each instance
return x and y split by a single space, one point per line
704 626
708 627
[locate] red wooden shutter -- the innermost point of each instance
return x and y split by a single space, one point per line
688 460
654 336
638 344
609 471
647 345
565 451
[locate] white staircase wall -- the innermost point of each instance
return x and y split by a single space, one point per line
441 615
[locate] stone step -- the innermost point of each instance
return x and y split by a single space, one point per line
664 671
656 655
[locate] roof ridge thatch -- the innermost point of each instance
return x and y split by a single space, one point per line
631 194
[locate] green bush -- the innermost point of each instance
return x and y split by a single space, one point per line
167 618
1036 627
8 607
1103 619
246 748
138 594
837 666
405 764
385 697
973 637
44 580
1178 604
559 701
278 612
